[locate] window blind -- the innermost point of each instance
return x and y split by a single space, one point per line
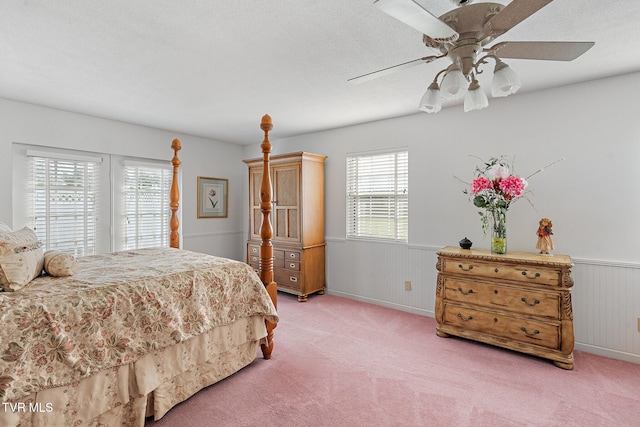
146 205
63 202
378 196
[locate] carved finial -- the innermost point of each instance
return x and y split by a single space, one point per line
175 145
266 124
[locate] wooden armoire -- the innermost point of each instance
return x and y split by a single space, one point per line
297 220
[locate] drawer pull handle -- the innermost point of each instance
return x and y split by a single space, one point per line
534 303
470 291
463 318
535 276
254 250
293 278
292 265
465 269
530 334
496 270
292 255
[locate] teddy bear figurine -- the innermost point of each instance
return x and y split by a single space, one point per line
545 243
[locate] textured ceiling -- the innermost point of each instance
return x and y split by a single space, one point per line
212 68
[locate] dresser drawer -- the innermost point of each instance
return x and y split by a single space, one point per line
291 256
504 326
291 265
520 273
287 278
278 258
510 298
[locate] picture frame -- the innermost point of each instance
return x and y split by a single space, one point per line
213 196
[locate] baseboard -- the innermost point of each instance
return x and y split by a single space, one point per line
607 352
395 306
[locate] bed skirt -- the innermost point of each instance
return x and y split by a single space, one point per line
126 395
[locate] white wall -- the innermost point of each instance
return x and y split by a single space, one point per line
30 124
593 198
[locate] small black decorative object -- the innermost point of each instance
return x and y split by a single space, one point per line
465 243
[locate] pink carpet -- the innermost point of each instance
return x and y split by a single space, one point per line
339 362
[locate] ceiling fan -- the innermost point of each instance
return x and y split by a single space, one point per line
462 35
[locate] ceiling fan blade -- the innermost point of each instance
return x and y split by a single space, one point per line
511 15
551 51
390 70
414 15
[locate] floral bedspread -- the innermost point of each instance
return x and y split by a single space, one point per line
114 310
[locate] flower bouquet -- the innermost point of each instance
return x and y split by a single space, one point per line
494 189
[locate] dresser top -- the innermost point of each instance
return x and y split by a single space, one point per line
510 256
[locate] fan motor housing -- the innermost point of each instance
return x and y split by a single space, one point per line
463 53
468 21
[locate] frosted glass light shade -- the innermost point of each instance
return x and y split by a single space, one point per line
454 84
431 101
475 99
505 80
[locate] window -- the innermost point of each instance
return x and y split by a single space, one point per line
146 205
378 195
63 201
87 203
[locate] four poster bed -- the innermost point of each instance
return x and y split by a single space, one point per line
130 334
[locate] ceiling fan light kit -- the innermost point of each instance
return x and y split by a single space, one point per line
462 35
454 84
505 81
475 99
431 101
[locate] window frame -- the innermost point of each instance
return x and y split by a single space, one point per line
365 190
126 221
109 228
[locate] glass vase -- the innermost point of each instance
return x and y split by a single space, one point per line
498 225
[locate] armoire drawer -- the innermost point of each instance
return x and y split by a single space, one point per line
520 273
287 278
291 265
497 296
505 326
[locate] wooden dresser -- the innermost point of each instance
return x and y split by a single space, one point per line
297 219
520 301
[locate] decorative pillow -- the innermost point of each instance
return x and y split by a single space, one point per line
59 264
4 228
21 258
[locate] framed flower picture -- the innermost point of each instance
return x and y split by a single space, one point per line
213 194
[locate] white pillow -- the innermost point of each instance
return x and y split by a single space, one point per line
59 264
4 228
21 258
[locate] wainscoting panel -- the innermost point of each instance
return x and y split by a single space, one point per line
227 244
376 272
606 296
606 308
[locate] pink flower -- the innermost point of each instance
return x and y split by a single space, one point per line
512 186
498 171
480 184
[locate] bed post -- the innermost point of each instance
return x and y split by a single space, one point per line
266 232
174 236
